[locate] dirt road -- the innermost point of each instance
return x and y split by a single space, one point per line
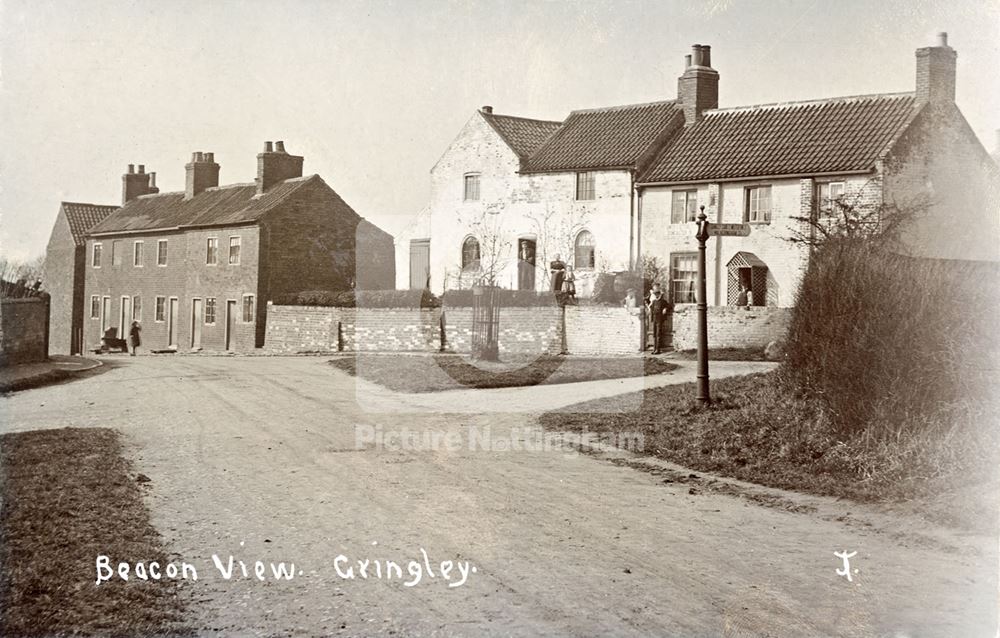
259 458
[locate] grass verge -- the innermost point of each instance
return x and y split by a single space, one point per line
758 432
725 354
451 372
68 495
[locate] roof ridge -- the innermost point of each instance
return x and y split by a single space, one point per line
236 185
524 119
622 107
89 204
816 101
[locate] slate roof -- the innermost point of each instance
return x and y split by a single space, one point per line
223 205
83 217
614 137
842 135
523 135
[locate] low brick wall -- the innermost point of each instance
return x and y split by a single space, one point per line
602 330
730 327
590 330
24 330
294 329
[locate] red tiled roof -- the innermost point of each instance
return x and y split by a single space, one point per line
224 205
83 217
825 136
523 135
612 137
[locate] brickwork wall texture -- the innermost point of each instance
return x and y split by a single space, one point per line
295 329
61 273
730 327
602 330
186 276
23 330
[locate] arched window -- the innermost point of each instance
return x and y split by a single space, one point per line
585 252
470 254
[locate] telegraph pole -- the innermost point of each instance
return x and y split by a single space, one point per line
702 299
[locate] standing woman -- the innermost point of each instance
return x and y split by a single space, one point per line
133 336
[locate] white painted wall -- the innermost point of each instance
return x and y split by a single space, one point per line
537 206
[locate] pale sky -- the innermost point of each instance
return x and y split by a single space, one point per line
372 93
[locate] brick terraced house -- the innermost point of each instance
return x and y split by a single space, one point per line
196 268
65 268
607 188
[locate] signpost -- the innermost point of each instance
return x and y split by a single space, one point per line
706 230
702 298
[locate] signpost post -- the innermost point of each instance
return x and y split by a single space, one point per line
706 230
702 236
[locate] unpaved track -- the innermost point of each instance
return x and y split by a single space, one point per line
262 451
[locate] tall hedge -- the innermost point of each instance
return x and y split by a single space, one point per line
892 341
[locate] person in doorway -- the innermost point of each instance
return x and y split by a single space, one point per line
749 298
134 339
741 298
658 309
525 266
569 284
557 270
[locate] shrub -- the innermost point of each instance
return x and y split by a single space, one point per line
361 299
889 343
604 289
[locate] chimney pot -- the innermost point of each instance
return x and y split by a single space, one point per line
209 157
487 109
131 168
142 168
687 60
279 147
268 147
942 39
152 179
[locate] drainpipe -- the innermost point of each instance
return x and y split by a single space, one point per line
631 221
637 263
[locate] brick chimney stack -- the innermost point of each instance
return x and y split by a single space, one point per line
275 165
698 87
201 172
135 183
936 72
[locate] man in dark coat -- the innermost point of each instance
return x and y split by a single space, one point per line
558 271
658 309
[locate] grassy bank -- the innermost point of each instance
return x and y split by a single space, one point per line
68 496
405 373
756 430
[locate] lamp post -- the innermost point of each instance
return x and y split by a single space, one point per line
702 299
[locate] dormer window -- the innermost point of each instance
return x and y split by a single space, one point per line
471 187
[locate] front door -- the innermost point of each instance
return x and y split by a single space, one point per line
172 324
420 264
526 264
105 314
196 322
125 317
230 323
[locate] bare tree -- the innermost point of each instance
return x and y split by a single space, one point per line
495 248
556 231
855 217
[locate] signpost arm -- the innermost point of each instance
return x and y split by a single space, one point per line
702 299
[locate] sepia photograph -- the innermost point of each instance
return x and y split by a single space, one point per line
499 318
